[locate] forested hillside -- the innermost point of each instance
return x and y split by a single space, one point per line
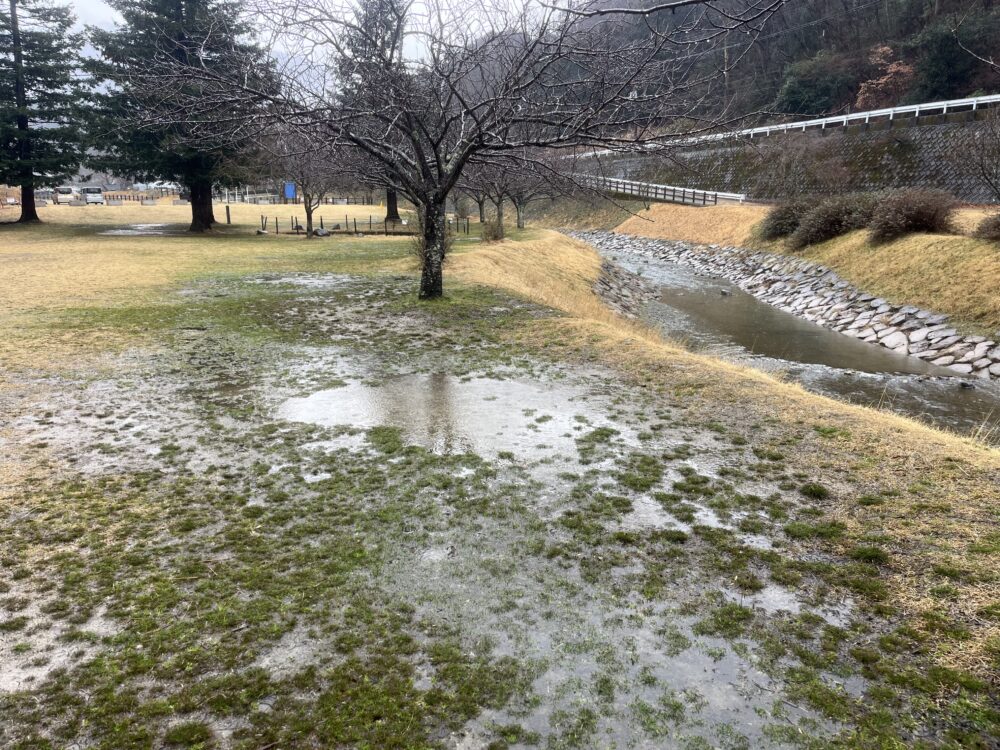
822 56
817 57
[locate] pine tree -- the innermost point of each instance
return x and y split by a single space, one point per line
135 146
41 142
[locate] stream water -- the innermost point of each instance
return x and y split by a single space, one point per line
716 317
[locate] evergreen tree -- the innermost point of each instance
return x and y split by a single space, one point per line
154 30
41 142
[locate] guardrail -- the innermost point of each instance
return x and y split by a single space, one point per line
659 193
971 104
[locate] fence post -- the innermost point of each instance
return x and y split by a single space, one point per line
229 219
276 230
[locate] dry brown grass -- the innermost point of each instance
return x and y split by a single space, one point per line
66 263
954 274
594 213
713 225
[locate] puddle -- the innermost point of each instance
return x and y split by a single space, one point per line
773 599
29 655
716 317
649 514
143 230
309 281
533 420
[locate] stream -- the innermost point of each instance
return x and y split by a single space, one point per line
714 316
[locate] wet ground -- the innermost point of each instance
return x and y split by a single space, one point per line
145 230
716 317
319 514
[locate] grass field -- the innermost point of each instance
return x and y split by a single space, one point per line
548 527
954 274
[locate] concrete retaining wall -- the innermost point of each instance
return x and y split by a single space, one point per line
879 157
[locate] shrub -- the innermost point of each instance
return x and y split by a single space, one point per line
783 219
491 231
834 217
989 228
907 211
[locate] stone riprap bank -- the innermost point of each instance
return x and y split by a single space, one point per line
818 294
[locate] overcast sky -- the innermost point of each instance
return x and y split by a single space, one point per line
93 12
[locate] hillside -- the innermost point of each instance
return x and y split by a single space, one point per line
817 57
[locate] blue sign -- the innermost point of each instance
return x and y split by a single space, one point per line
290 190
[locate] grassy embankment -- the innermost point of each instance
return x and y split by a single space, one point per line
901 517
953 274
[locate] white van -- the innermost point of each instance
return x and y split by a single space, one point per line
92 195
64 195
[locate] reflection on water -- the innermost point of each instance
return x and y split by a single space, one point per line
530 419
142 230
718 318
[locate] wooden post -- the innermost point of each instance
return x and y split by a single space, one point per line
229 219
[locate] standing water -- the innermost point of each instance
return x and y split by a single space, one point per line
716 317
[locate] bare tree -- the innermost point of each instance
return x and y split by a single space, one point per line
485 182
539 175
472 186
313 164
422 91
518 178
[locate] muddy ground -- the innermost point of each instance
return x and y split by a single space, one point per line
312 512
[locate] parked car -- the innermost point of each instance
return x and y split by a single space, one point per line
64 195
92 195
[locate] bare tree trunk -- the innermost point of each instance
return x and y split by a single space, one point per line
433 224
499 205
520 214
202 215
481 202
309 206
391 206
29 213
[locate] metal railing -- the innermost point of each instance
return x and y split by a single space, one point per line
971 104
891 114
659 193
